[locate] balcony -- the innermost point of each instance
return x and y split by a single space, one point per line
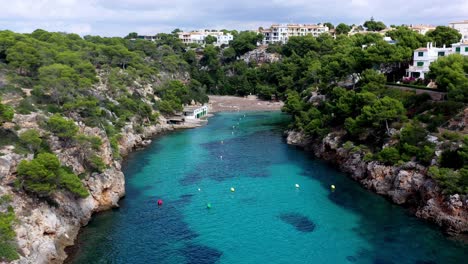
418 69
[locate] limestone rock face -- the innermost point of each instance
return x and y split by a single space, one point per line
9 162
406 184
260 55
45 229
295 138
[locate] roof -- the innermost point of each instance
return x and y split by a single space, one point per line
422 26
460 22
421 49
192 108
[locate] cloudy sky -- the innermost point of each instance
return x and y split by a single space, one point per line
118 17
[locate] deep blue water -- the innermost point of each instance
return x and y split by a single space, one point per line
266 220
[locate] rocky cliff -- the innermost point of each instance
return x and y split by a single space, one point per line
45 228
406 185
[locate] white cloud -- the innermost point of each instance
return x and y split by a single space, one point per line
118 17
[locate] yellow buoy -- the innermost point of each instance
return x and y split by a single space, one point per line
332 187
232 189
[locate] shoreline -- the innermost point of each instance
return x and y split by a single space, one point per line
228 103
217 104
407 186
147 140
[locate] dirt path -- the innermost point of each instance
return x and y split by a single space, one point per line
234 103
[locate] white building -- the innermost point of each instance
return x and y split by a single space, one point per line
198 37
460 48
280 33
423 57
195 112
462 27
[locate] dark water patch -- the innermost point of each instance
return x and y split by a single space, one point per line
247 156
425 262
184 199
144 223
300 222
199 254
382 261
351 259
191 178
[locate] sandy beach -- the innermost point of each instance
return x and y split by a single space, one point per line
235 103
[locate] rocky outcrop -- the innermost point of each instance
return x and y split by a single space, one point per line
406 185
260 55
45 228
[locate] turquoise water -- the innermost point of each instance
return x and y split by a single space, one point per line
266 220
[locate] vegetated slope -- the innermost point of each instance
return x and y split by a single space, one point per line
70 108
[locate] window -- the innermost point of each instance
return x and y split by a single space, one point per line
466 49
420 54
457 49
441 53
420 63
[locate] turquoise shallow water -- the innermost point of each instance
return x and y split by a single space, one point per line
266 220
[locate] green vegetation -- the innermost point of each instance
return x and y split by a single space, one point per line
450 74
373 25
6 112
63 128
44 175
31 139
7 234
444 35
103 83
342 28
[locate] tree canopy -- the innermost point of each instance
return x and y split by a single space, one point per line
444 35
373 25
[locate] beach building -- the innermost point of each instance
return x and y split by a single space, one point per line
195 112
423 57
462 27
199 37
280 33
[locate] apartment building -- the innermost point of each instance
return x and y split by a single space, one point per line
462 27
198 37
423 57
280 33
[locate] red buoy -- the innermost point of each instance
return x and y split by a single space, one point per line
160 202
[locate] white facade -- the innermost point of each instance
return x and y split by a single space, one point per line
423 57
462 27
460 48
198 37
195 112
281 33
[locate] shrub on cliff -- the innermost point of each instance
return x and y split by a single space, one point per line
389 155
31 139
7 233
450 180
65 129
44 175
89 147
6 112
